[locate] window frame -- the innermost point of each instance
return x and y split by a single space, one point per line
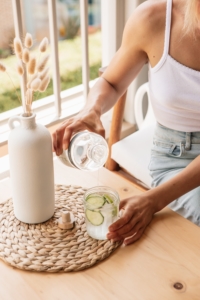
114 14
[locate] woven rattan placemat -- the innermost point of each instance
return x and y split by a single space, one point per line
46 247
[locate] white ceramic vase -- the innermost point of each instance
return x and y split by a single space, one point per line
31 170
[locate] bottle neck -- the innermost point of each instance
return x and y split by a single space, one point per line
97 153
28 122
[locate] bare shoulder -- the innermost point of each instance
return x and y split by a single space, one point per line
146 22
150 13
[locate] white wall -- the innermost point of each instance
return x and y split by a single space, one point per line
115 13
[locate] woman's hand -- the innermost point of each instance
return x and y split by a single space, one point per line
137 213
88 119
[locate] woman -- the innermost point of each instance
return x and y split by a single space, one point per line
166 35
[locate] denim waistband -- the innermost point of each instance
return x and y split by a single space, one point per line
179 138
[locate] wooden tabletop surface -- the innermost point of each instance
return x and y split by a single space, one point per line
163 265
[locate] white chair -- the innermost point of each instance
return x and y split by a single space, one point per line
132 153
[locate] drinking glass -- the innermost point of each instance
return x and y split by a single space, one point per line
101 205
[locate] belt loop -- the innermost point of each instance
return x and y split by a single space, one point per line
188 141
182 148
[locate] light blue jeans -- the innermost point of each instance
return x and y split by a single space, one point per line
171 152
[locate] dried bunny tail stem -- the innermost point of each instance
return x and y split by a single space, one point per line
29 100
25 55
28 111
44 84
43 63
20 69
35 84
29 96
2 68
28 41
31 79
44 73
31 66
18 46
43 45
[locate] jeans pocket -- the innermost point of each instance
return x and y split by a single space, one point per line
160 151
164 157
163 147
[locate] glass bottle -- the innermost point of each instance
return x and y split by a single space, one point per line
87 151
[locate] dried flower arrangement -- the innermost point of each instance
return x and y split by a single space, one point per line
37 71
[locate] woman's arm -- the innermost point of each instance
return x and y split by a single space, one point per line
138 211
185 181
124 67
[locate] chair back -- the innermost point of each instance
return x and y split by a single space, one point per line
137 146
141 120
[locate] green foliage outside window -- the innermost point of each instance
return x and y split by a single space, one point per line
70 70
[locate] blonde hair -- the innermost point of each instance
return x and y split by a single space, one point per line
192 17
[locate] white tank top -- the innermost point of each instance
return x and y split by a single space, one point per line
174 89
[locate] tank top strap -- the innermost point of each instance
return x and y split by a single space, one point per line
167 27
166 37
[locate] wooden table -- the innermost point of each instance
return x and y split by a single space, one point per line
167 255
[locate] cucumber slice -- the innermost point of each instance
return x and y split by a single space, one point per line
115 211
93 195
95 202
108 199
95 218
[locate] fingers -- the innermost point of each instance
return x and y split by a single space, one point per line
129 230
117 239
63 133
66 138
59 139
137 214
54 142
131 225
135 237
126 231
84 121
126 217
130 237
56 137
123 203
70 130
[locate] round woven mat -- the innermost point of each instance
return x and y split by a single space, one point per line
46 247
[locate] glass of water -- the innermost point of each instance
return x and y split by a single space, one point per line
101 205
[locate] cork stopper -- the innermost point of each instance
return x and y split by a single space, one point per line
66 221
